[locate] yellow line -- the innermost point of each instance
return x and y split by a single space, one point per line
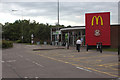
81 66
78 59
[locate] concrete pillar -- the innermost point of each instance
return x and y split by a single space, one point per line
68 40
51 34
68 37
81 33
61 37
73 37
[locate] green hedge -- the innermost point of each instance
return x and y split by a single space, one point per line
18 41
0 43
7 44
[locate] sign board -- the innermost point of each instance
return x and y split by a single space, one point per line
97 28
66 36
56 32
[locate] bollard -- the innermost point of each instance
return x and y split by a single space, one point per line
99 46
87 47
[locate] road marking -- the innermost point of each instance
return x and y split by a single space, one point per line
20 56
107 73
98 60
37 64
32 61
36 77
25 77
66 62
2 61
80 66
11 61
83 69
27 59
109 66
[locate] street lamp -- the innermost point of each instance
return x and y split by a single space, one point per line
14 10
18 10
22 19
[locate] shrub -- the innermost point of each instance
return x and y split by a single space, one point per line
18 41
7 44
0 43
41 41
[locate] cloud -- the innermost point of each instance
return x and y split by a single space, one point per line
71 13
59 0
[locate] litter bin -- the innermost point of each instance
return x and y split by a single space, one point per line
99 46
53 43
45 43
38 43
67 45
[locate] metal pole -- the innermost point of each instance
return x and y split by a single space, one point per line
73 37
58 12
51 34
68 41
14 11
22 25
61 37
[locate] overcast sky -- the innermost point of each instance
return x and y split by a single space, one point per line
71 13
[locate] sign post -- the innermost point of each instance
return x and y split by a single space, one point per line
32 39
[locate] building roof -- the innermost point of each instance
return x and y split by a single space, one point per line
72 28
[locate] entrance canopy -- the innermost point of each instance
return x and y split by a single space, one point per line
72 29
73 33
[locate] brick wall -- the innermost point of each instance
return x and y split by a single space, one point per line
114 36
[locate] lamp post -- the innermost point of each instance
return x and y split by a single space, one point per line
58 22
58 12
22 19
14 11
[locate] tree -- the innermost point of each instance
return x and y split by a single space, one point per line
14 31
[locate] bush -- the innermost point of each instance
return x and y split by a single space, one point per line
0 43
18 41
41 41
7 44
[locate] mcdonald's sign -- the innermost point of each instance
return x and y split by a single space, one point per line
97 28
97 18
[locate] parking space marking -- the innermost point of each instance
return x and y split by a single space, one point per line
9 61
20 56
87 68
68 59
83 69
3 61
31 61
37 63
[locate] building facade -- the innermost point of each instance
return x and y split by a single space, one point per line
58 35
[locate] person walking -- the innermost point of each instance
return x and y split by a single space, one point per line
78 44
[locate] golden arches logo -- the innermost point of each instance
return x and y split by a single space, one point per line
97 18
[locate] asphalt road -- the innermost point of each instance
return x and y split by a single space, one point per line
32 61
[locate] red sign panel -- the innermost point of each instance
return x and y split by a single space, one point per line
97 28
